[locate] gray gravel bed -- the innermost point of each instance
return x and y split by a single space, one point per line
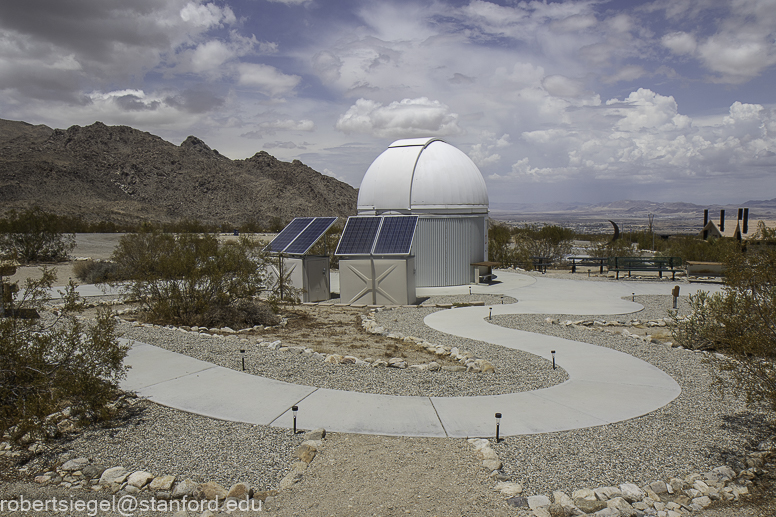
694 433
515 370
167 441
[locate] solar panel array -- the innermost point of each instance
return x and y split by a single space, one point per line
300 235
387 235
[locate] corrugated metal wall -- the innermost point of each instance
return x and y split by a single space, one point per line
445 247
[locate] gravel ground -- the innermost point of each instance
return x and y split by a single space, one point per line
694 433
167 441
515 370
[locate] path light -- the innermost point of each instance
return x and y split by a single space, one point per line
498 424
490 313
294 409
470 289
553 358
502 300
633 297
242 351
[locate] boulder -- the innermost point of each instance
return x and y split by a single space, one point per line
349 359
585 493
74 464
184 489
114 475
333 359
240 491
290 480
605 493
306 452
315 434
518 502
622 506
588 506
538 501
139 479
211 491
631 492
509 488
492 464
485 366
486 453
92 471
162 483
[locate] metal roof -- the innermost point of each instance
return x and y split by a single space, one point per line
423 175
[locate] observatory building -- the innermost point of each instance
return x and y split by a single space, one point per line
438 183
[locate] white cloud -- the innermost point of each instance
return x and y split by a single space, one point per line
266 79
737 59
207 15
289 125
626 73
400 119
562 86
679 42
643 139
482 153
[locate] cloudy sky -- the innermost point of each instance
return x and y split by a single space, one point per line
667 100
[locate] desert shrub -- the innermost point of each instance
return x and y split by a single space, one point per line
48 363
500 244
740 322
696 249
239 314
609 248
181 278
552 242
95 271
34 236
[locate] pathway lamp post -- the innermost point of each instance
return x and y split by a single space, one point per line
553 358
498 425
294 409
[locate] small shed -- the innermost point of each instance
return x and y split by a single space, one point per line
289 249
376 266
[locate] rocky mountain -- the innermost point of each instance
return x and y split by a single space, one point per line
121 174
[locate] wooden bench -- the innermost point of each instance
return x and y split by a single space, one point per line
598 262
483 271
646 264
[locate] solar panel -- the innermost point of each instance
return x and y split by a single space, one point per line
358 236
396 235
310 235
289 233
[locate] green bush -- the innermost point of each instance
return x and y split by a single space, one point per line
696 249
186 279
95 272
34 236
740 322
49 363
551 242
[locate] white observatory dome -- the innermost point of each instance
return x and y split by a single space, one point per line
423 175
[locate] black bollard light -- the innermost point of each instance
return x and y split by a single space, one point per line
294 409
242 351
633 297
502 300
553 358
498 424
470 290
490 313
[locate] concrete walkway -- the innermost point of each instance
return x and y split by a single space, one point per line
604 386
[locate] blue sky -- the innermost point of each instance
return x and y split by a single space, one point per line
667 100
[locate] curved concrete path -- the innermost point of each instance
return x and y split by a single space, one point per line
605 385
